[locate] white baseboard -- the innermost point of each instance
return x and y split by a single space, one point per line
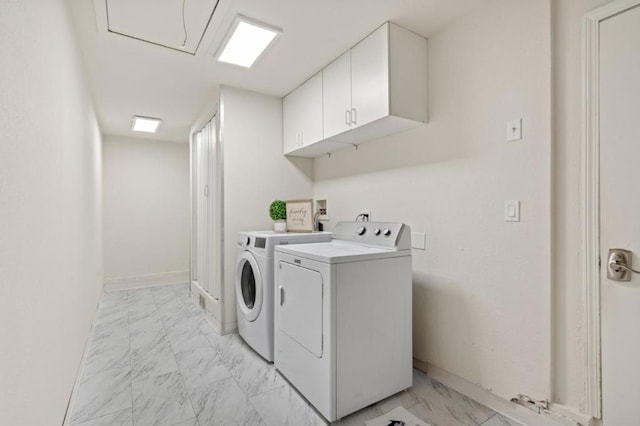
146 280
85 353
558 415
420 365
570 413
213 310
230 327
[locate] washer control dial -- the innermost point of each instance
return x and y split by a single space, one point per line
361 230
386 232
376 231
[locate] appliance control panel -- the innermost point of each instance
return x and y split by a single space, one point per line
381 234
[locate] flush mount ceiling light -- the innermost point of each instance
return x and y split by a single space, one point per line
145 124
246 41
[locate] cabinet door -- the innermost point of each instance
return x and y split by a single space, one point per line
311 111
291 118
336 95
302 115
370 78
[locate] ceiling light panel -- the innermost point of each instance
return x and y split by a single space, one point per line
246 41
145 124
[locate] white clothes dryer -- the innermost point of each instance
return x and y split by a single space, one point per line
343 316
254 284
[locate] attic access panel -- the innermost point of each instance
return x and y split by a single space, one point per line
160 22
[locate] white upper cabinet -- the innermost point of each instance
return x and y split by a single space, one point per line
302 115
377 88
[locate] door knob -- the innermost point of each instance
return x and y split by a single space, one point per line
619 265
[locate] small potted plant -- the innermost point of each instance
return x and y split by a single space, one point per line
278 213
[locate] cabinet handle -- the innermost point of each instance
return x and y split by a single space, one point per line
354 117
347 117
281 295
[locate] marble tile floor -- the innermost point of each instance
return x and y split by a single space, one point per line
153 359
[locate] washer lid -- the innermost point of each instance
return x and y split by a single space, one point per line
340 252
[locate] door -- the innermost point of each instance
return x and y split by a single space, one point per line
336 96
201 208
195 192
206 213
291 105
299 305
302 115
311 111
249 286
620 214
370 78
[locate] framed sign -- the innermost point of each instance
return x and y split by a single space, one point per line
300 216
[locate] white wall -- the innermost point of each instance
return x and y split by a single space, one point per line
146 212
255 173
482 287
50 235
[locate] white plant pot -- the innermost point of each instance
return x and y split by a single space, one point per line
280 226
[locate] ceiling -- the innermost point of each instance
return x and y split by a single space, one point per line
165 26
129 76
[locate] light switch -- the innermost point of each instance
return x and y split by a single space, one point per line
514 130
512 211
418 240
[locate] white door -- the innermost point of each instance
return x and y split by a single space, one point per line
311 112
249 286
215 210
194 205
206 210
299 306
202 210
370 78
302 115
620 214
336 96
291 105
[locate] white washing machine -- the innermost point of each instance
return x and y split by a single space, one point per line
254 284
343 316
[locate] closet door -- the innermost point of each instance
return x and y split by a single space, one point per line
193 170
206 214
202 210
214 244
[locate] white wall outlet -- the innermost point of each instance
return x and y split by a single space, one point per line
512 211
418 240
514 130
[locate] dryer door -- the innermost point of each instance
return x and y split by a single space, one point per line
300 306
249 285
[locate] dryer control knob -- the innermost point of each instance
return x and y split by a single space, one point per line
361 230
376 231
386 232
247 241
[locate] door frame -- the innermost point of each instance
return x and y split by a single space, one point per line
590 182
